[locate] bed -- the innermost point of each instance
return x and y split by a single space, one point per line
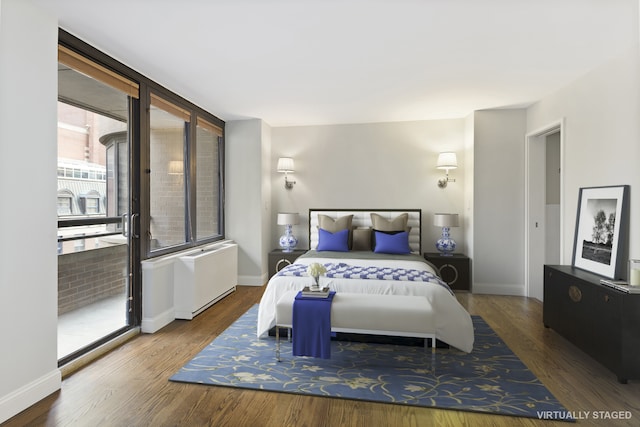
373 252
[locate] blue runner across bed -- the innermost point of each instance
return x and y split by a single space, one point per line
346 271
312 326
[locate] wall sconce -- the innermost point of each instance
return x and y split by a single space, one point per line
175 167
288 241
446 161
285 165
445 244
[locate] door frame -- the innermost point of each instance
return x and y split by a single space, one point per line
134 274
534 187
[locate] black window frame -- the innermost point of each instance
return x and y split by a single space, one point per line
141 151
190 172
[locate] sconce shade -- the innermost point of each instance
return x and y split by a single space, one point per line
288 219
447 161
175 167
445 220
285 165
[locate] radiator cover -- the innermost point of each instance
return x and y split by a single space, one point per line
203 278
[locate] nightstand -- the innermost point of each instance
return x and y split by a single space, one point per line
454 269
279 260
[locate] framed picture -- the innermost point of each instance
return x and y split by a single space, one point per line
602 224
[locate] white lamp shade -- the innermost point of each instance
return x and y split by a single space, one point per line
288 219
285 165
447 161
445 220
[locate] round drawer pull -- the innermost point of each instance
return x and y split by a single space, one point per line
575 294
453 269
282 264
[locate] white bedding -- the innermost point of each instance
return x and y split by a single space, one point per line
453 324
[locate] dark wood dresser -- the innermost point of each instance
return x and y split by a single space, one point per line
602 321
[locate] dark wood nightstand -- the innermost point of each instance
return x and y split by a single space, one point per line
454 269
279 260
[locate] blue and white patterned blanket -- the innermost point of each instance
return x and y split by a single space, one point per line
346 271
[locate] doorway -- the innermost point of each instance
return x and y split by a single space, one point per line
543 199
96 260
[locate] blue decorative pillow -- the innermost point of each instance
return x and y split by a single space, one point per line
328 241
397 243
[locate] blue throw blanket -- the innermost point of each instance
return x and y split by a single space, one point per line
346 271
312 326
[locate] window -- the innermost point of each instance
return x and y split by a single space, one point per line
65 203
127 186
90 203
208 138
185 191
168 135
93 205
178 146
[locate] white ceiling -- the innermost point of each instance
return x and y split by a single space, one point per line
304 62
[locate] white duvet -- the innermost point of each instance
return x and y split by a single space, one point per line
453 322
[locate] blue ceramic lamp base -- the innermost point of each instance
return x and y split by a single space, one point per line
446 245
288 241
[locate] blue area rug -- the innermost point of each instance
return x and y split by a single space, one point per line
491 379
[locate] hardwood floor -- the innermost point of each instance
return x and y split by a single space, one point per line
129 386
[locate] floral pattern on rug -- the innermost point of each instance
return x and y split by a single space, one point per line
489 379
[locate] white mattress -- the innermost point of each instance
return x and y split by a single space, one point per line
453 322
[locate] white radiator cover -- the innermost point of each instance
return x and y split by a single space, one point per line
202 278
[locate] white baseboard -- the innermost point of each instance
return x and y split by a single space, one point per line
252 280
494 289
19 400
149 325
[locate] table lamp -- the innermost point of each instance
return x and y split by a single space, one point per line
445 245
288 241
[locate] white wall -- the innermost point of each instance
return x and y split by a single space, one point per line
265 239
382 165
469 167
28 257
498 202
247 204
379 165
602 135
